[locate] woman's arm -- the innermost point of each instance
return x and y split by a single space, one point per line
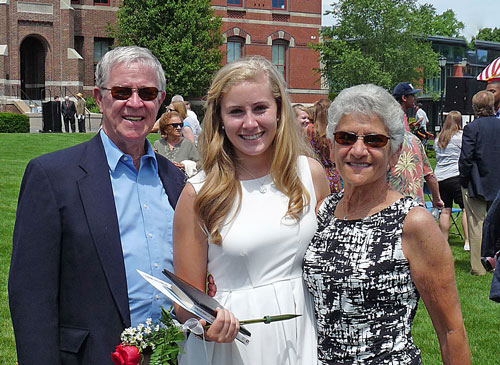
321 187
432 271
190 263
187 133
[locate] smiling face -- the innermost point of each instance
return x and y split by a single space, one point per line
128 122
302 119
249 115
359 165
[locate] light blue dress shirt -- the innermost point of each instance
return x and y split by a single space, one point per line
145 219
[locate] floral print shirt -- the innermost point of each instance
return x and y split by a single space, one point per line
407 176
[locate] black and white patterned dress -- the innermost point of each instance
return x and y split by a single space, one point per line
364 297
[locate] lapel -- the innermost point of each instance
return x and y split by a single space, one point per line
98 203
172 179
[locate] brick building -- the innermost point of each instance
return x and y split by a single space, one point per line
281 31
50 47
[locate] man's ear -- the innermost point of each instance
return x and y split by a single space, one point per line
98 97
162 97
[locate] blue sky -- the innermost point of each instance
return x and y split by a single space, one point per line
474 14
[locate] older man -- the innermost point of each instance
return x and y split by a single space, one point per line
88 217
479 173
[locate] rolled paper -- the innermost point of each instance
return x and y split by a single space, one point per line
269 319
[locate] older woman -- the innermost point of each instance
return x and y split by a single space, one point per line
376 252
180 151
248 218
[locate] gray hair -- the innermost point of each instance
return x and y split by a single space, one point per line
177 98
368 99
128 55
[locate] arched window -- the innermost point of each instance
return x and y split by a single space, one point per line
280 51
235 48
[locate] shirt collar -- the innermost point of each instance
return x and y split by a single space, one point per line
114 154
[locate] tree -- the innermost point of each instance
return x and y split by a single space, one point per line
488 34
183 35
382 42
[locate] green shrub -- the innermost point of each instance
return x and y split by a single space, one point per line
92 105
14 123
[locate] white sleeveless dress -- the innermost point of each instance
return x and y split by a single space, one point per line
258 272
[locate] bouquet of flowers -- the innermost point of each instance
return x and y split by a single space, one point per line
150 344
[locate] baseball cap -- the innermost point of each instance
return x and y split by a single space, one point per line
405 88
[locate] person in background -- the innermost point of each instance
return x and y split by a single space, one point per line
376 252
448 146
191 118
89 216
320 144
80 112
413 166
68 112
489 246
180 151
304 119
479 172
187 129
421 117
248 217
493 87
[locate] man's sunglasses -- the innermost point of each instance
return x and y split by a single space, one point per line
370 140
123 93
176 125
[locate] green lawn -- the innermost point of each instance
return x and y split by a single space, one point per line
480 314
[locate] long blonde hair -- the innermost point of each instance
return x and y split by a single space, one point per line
222 187
452 124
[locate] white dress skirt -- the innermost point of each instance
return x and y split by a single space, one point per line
258 272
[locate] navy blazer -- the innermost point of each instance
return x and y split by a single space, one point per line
67 285
491 234
480 158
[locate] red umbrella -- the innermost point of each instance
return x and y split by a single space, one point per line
491 72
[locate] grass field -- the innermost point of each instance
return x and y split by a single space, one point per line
481 315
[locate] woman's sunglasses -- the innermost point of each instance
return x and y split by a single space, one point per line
370 140
123 93
176 125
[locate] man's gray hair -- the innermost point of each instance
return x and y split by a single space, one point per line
177 98
368 99
128 55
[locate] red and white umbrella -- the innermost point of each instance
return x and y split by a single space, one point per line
491 72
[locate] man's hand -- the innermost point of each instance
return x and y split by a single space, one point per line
438 204
179 165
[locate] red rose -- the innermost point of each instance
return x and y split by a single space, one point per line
126 355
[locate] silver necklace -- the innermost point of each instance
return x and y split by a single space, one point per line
262 188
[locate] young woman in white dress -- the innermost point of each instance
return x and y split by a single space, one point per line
247 219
